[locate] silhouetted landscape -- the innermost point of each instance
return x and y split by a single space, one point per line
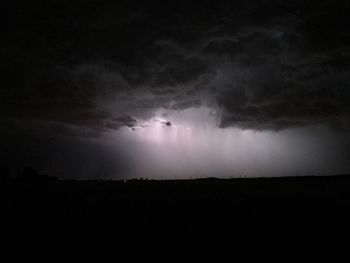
289 219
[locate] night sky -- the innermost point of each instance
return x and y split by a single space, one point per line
181 89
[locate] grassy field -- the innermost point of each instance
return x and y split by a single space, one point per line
245 220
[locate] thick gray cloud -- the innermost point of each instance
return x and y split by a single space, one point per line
74 73
264 64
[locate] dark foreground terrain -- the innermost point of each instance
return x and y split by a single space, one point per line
302 219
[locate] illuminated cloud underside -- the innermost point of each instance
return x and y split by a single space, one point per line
192 148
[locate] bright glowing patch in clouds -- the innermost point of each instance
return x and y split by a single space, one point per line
174 127
194 146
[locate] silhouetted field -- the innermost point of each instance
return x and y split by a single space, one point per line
247 220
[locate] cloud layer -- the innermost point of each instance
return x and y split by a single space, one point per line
264 65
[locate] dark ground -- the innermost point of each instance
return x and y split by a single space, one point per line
302 219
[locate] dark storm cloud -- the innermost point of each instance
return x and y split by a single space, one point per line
265 64
122 121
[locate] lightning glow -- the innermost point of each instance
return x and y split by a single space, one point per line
194 146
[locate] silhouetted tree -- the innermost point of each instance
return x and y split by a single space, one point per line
29 174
